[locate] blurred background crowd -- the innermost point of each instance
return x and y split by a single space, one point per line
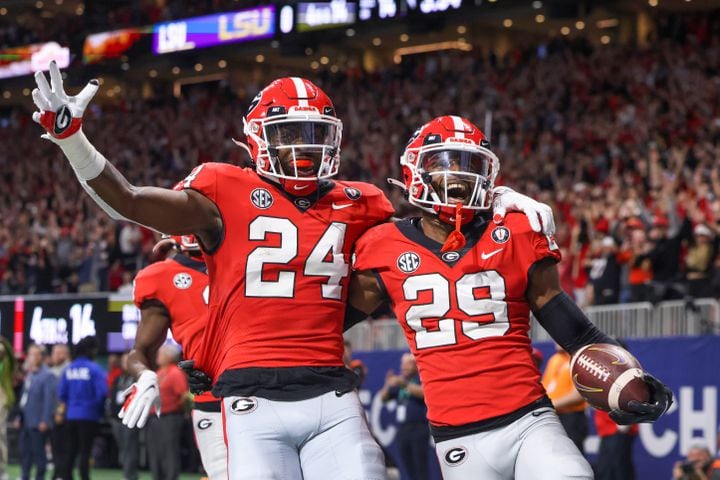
623 142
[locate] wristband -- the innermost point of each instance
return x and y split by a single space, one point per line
87 162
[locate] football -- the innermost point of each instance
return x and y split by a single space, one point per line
608 376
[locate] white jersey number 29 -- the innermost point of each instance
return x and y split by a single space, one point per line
317 263
490 311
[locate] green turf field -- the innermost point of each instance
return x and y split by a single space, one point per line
14 473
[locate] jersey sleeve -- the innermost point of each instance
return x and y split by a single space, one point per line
203 179
378 208
145 285
367 254
545 246
533 246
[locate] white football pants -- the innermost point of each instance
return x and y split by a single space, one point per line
210 440
534 447
321 438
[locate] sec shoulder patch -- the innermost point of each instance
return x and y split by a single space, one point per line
408 262
182 280
261 198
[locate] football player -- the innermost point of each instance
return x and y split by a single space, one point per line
462 289
277 239
172 294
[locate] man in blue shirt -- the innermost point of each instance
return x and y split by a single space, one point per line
83 389
37 404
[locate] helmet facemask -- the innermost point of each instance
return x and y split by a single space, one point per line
443 175
298 147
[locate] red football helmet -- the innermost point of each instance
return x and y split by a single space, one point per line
293 134
446 162
185 243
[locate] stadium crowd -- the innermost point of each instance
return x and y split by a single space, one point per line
623 142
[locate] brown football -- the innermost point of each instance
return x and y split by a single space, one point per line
608 376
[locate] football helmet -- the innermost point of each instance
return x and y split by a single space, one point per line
293 134
447 162
185 243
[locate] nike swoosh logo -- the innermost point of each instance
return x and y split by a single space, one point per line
485 256
300 187
335 206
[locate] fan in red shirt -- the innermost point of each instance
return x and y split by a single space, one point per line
462 289
172 295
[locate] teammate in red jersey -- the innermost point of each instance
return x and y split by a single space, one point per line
462 289
172 294
277 240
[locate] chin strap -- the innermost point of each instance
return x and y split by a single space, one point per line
456 240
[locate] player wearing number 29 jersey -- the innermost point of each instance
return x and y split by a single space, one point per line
462 289
464 314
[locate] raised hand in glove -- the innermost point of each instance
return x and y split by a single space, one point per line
661 398
60 114
61 117
139 400
198 381
539 215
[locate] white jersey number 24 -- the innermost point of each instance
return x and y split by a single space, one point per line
326 259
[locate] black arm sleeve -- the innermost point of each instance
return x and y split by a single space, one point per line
353 316
568 325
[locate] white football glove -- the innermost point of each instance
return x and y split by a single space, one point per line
61 117
139 399
539 215
59 114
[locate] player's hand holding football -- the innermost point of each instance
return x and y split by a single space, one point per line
139 400
61 117
198 381
661 398
508 200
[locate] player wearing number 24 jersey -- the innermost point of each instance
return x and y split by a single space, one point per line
277 240
462 289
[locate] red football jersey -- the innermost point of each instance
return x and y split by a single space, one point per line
181 285
280 274
464 313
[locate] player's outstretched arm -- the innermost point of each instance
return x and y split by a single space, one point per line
165 210
364 297
571 329
145 392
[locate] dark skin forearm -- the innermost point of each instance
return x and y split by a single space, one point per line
365 294
151 334
169 211
544 284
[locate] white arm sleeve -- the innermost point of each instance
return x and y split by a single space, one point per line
101 203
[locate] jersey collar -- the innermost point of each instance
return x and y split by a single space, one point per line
473 231
188 262
303 204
